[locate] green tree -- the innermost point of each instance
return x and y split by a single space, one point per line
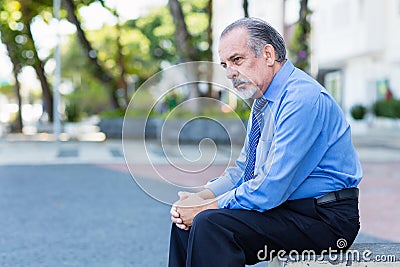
91 54
192 34
154 38
144 43
16 19
122 68
299 46
136 48
151 42
30 9
193 42
87 92
6 37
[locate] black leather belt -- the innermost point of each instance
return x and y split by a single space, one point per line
347 193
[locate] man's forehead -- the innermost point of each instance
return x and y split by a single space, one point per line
235 41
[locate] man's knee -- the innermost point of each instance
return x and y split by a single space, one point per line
207 218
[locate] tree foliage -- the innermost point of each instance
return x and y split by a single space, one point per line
103 64
192 21
15 20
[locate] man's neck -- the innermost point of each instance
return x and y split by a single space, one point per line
276 68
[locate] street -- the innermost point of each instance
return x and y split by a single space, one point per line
78 215
76 204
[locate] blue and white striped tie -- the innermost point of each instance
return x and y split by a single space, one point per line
254 137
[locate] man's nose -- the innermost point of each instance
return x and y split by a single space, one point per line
231 73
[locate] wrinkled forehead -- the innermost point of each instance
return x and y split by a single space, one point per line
234 41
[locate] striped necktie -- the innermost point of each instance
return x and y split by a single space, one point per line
254 137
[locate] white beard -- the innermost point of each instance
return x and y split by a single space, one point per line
246 92
245 88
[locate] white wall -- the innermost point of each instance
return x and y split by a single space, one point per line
392 55
361 38
393 31
346 29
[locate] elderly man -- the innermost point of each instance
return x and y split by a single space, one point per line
294 186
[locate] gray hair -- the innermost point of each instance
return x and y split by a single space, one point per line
260 34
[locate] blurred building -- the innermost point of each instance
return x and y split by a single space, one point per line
356 47
355 44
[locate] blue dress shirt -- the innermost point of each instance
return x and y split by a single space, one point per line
305 149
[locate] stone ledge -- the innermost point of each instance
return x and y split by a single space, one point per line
224 131
359 254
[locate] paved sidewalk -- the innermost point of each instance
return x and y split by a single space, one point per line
378 145
43 152
31 151
375 146
378 150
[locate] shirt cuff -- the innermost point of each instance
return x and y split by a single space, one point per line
224 202
219 185
228 201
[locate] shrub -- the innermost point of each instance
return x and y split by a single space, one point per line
112 114
358 112
387 108
73 112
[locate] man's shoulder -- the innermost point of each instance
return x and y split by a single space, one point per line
301 88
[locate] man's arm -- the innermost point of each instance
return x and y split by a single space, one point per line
231 176
206 194
295 152
207 197
182 211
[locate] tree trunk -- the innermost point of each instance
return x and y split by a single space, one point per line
303 39
38 65
182 36
210 43
303 17
16 69
246 8
91 54
187 52
18 122
122 83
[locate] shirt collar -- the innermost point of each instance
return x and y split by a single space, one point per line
275 88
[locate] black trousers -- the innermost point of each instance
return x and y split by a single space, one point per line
225 237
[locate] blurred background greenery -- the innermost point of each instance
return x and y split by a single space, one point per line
102 67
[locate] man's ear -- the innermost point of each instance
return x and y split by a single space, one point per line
268 52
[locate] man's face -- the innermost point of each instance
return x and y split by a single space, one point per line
249 74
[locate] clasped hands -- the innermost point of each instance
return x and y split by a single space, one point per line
189 205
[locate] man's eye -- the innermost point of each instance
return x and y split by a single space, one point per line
223 65
237 60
